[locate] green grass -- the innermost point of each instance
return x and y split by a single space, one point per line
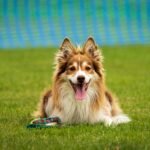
24 74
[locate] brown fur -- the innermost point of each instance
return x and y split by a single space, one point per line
113 101
41 107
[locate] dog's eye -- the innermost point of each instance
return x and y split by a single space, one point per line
72 68
88 68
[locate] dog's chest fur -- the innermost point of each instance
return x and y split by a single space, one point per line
75 111
72 110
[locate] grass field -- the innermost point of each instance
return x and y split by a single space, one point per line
24 74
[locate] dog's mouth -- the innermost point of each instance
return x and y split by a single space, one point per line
80 90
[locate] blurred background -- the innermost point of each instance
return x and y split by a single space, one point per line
34 23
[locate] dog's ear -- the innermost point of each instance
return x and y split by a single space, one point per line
91 49
66 50
66 47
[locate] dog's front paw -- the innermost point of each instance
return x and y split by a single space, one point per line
122 118
108 122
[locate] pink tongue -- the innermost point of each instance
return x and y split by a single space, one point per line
80 93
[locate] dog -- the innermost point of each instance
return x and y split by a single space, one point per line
79 93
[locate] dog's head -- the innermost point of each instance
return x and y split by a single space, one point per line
79 67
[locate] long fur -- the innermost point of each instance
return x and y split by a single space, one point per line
100 105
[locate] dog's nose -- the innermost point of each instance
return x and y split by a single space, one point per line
80 79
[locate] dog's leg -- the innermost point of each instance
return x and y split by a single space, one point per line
119 119
42 105
118 116
115 108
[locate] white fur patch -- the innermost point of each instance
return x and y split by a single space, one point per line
84 63
122 118
80 73
75 64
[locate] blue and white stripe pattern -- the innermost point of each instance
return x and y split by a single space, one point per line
33 23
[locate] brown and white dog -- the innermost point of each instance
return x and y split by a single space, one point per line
79 93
